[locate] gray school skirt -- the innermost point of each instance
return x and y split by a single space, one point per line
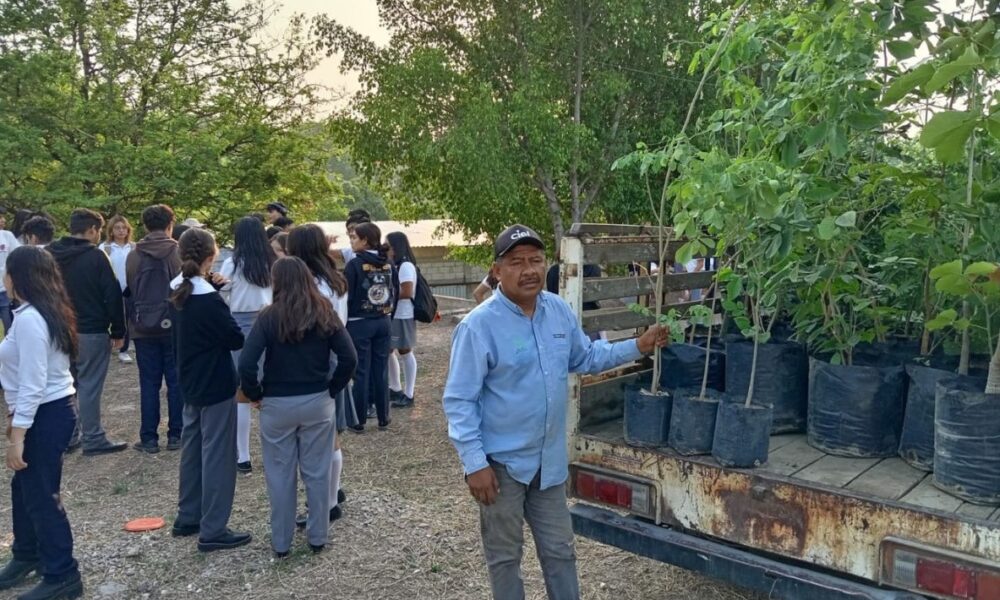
403 333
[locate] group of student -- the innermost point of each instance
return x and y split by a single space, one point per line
294 333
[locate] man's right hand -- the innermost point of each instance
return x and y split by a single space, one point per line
483 486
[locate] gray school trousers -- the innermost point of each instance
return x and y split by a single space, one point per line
297 435
91 370
208 467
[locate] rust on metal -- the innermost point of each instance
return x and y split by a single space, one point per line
829 527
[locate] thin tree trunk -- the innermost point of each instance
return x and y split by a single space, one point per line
753 362
993 379
925 337
963 361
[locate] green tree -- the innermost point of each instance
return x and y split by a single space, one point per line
116 104
500 111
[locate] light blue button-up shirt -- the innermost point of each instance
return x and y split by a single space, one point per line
506 394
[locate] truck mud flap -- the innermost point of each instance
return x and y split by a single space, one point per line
720 561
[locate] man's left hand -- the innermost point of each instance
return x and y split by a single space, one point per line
655 337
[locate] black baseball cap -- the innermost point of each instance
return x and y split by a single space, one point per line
516 235
278 206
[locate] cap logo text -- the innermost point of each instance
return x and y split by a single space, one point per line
518 235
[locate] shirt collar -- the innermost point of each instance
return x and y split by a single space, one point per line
21 308
539 301
201 286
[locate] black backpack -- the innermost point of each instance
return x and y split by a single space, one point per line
149 301
425 305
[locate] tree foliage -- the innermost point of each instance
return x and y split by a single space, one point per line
496 112
117 104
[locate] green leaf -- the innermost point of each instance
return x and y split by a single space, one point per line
826 229
956 68
817 134
905 83
949 268
961 324
848 219
947 133
865 120
837 142
981 268
901 50
955 285
942 320
993 125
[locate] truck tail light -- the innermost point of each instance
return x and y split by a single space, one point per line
939 573
596 486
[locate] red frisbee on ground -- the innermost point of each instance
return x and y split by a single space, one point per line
145 524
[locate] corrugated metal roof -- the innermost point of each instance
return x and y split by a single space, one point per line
427 233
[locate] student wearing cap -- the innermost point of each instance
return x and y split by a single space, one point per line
505 400
275 211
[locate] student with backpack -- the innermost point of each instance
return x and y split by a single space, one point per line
97 300
296 397
149 270
403 329
370 301
34 367
309 244
118 245
205 335
248 276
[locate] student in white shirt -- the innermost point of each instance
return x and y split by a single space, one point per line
8 242
248 276
356 217
34 367
403 329
308 243
117 245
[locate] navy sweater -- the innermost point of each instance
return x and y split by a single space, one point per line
205 334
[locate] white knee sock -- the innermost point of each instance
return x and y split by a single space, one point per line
410 372
394 373
243 432
336 468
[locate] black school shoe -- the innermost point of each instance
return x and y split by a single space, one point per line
356 428
106 447
16 572
335 514
174 444
62 590
382 426
147 447
403 401
182 530
227 541
244 467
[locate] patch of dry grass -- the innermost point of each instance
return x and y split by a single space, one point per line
410 530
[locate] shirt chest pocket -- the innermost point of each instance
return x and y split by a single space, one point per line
559 349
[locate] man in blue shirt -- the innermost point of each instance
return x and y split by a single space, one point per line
505 400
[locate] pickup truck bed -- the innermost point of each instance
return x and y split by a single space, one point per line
804 505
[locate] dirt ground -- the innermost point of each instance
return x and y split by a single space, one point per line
410 529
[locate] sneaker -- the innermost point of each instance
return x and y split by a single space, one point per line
61 590
403 401
227 541
124 357
173 444
371 412
182 530
147 447
244 467
105 447
16 572
382 426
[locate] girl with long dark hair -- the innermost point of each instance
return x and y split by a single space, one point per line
370 301
35 360
248 276
309 244
205 335
297 397
403 329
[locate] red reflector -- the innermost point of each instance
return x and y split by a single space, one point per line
964 584
935 576
987 586
585 485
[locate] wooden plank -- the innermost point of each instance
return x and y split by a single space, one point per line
780 441
928 496
614 319
996 515
892 478
606 288
580 229
793 456
621 253
605 400
836 471
976 511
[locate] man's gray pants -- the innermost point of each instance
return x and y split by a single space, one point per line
502 526
297 435
91 372
208 467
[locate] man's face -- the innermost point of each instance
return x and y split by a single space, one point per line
93 235
357 244
273 215
521 272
